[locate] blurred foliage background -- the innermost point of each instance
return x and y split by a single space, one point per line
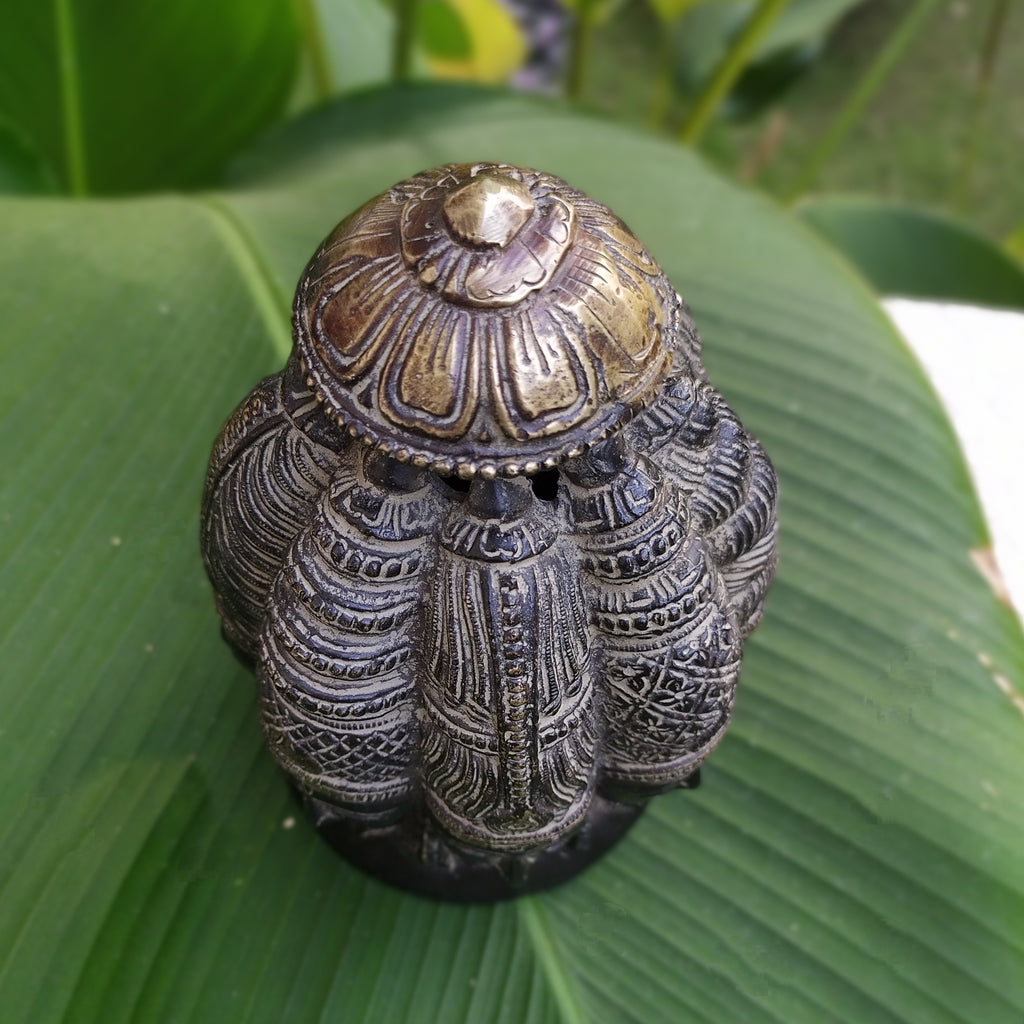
946 128
906 101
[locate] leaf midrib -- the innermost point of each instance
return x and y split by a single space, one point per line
271 305
537 928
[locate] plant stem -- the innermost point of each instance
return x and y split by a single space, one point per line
661 98
401 55
979 106
765 148
729 69
313 39
71 100
862 93
579 50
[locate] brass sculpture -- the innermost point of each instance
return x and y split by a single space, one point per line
491 540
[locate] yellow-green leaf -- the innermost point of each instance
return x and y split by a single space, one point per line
903 249
126 97
496 44
669 11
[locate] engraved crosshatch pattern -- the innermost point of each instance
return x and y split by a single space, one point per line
441 639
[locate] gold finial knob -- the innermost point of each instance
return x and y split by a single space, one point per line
489 209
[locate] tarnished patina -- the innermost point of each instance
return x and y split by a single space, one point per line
491 540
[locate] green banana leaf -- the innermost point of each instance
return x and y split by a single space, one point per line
910 250
855 851
792 44
346 45
22 170
1014 244
127 95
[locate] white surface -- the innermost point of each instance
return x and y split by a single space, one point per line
975 358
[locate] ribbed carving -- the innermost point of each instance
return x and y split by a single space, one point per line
270 464
467 663
335 662
668 655
508 723
726 481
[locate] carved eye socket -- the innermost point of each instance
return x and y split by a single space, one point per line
456 484
545 484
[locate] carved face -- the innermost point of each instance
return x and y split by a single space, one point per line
488 632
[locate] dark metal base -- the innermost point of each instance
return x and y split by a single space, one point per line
414 854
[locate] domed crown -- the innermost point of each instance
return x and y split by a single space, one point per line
484 318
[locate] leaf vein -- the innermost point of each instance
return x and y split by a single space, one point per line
537 925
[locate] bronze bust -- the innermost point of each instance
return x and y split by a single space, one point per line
491 540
